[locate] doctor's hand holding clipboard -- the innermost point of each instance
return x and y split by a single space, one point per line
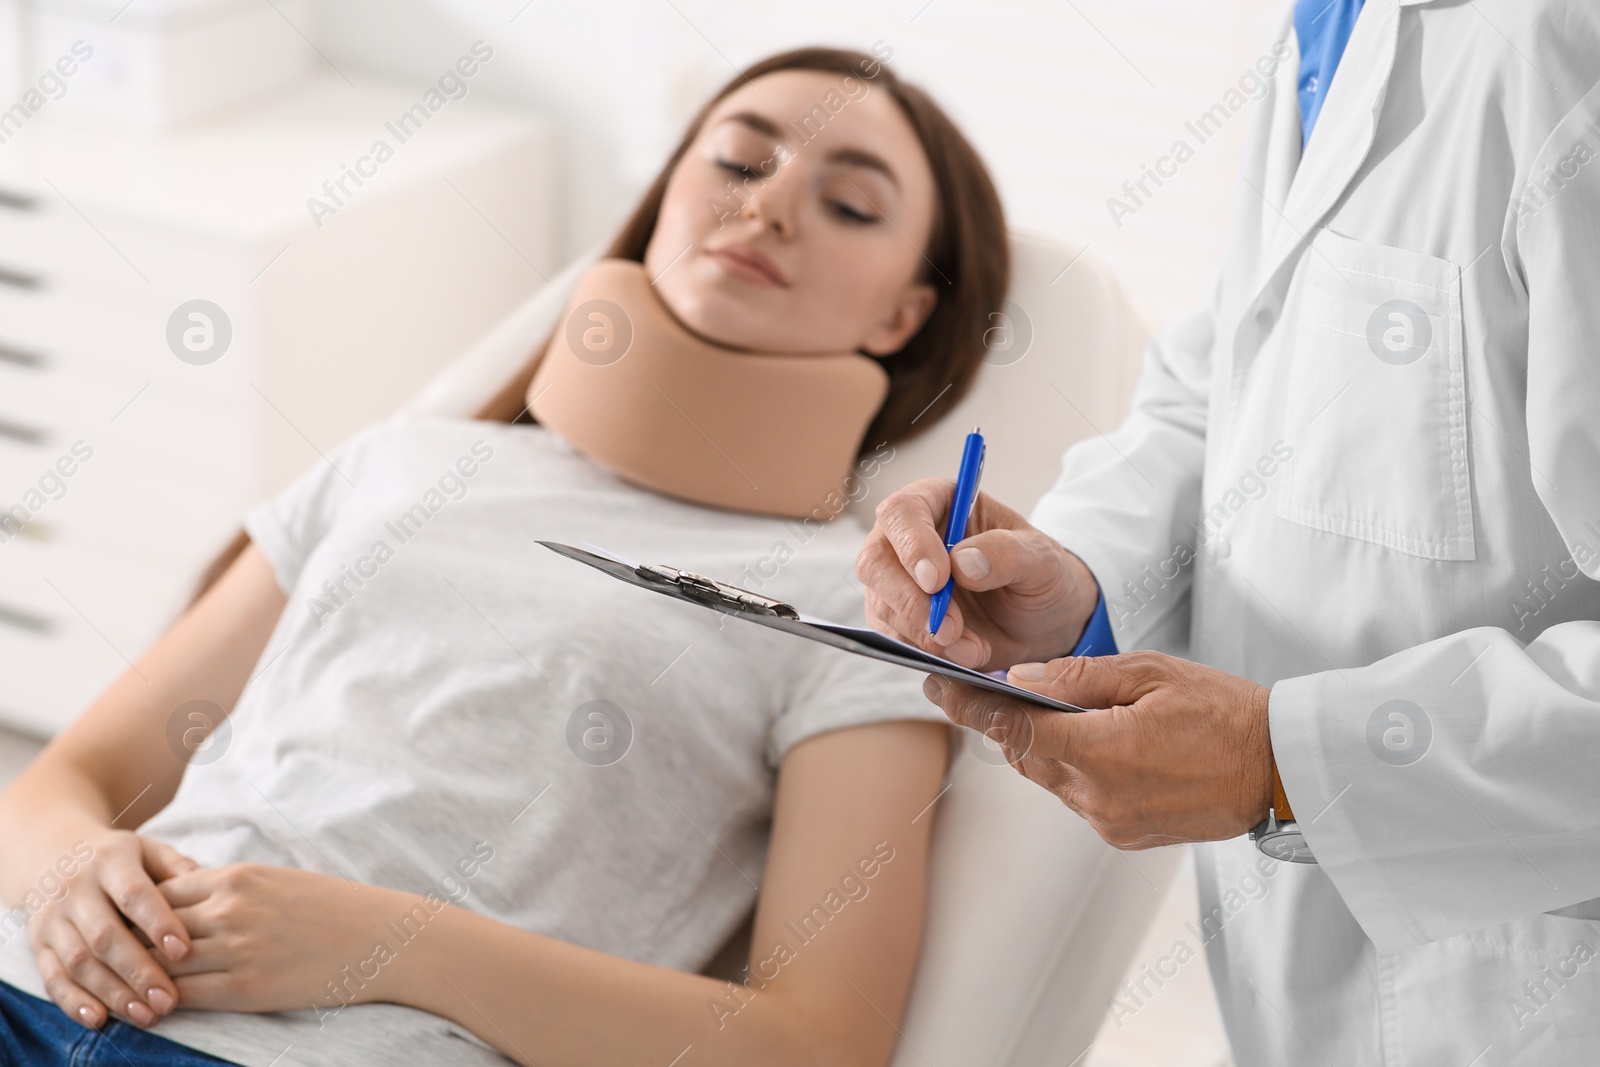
1181 751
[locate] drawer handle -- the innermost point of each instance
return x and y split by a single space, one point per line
25 620
28 435
21 357
15 201
19 280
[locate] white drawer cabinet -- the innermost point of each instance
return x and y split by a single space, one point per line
103 236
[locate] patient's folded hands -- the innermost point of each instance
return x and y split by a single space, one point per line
282 939
88 913
124 925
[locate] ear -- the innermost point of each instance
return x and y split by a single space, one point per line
911 310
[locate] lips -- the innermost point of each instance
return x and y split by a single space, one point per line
750 262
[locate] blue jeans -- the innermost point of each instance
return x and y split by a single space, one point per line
36 1033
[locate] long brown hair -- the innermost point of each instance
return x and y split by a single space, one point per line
967 262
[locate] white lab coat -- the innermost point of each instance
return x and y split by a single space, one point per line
1393 509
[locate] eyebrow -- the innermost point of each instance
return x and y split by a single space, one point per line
852 157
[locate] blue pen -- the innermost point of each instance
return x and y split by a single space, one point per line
960 510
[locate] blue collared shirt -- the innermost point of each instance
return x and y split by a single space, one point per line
1323 29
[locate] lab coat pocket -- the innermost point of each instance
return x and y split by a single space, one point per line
1526 988
1376 399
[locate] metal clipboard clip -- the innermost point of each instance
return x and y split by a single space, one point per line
713 593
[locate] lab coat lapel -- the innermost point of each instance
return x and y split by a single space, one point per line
1342 138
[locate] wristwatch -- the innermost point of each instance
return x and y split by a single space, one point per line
1278 835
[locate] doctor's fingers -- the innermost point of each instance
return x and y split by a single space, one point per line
1117 816
897 607
1116 822
913 522
1023 729
1068 784
1094 681
1027 561
976 709
908 533
1062 752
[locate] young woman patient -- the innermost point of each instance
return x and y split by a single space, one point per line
473 800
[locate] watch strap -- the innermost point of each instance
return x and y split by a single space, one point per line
1280 799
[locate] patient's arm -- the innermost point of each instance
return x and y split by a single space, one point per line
113 768
852 819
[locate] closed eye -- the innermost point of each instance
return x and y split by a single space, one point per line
851 213
744 170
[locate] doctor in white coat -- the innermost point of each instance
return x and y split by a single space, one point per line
1359 495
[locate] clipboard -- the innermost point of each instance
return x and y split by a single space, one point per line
730 600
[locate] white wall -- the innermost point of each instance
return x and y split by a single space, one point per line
1065 100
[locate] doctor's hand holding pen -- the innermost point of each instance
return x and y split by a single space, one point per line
1175 751
1018 594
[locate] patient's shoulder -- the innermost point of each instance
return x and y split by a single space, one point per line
431 437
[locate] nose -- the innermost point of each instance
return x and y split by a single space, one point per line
773 203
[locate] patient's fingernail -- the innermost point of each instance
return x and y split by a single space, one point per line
86 1015
140 1014
174 948
932 689
927 575
160 1000
973 563
1028 672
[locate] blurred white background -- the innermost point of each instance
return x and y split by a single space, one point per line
1067 100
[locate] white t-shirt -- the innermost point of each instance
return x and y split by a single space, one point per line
444 695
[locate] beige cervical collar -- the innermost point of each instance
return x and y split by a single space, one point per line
626 384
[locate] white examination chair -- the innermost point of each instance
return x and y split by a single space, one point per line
1032 919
